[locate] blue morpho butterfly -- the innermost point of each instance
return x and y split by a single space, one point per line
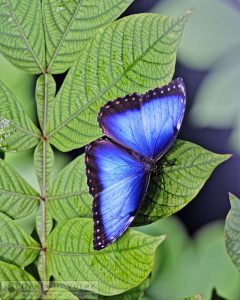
138 129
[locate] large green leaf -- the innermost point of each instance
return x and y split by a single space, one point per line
17 132
132 54
17 284
45 93
119 267
15 244
71 24
232 231
43 161
211 31
17 197
68 195
22 37
182 173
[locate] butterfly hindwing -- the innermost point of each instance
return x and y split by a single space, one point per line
146 123
117 182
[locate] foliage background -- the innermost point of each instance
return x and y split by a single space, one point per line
192 261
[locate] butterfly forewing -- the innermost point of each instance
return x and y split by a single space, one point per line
146 123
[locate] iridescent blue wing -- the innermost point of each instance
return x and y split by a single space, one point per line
146 123
118 183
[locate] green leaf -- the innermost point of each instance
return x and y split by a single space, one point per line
17 132
17 197
183 172
22 37
71 24
232 231
45 93
15 244
206 38
68 195
116 269
44 167
56 293
18 284
132 54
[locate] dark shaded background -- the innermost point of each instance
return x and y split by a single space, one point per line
212 203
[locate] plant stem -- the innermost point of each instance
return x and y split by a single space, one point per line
44 191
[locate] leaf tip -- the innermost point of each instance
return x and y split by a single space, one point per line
224 157
232 197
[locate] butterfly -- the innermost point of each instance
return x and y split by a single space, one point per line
139 129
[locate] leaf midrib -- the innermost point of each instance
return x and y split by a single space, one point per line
34 197
64 35
192 166
101 253
24 37
117 79
12 245
55 197
26 131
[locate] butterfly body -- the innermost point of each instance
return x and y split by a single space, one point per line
138 129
